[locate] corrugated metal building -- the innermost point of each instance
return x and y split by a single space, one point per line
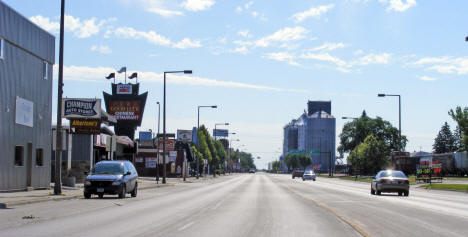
313 131
26 57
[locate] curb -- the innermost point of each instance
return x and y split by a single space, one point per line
7 205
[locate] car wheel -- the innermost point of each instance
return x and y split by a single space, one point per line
406 193
87 195
293 177
372 191
313 179
123 192
379 192
101 195
400 193
135 190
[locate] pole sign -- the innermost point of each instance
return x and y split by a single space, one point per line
81 108
125 110
124 89
170 145
184 135
195 135
220 132
85 126
145 136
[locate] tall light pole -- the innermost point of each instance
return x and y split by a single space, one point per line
216 132
157 163
198 140
399 115
164 121
58 149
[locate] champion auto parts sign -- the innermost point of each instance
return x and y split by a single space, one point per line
81 108
125 110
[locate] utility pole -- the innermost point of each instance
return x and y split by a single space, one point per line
58 149
157 141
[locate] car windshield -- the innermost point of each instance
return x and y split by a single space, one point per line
391 173
109 168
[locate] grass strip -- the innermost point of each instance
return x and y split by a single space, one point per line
458 187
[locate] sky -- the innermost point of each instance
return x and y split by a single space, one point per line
260 61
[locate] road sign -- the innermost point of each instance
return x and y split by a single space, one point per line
220 132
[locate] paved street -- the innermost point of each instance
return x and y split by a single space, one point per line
247 205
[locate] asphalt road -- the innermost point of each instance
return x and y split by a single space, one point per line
247 205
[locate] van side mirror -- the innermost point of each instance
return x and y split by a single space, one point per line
86 172
128 173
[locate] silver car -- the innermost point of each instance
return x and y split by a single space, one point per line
308 174
390 181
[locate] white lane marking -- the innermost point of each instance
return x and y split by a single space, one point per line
186 226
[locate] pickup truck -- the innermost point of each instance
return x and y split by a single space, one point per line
297 173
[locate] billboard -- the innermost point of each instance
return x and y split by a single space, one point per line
125 110
145 136
184 135
81 108
220 132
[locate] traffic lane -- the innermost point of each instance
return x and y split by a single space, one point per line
153 207
378 215
452 203
262 208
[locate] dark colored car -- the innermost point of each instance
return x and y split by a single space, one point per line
297 173
252 171
112 177
390 181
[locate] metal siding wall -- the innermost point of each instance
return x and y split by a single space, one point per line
21 75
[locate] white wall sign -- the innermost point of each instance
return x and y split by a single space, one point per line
184 135
24 112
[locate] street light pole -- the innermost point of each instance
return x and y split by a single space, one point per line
399 115
157 139
164 120
198 140
58 149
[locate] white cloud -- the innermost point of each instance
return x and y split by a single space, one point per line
197 5
187 43
153 37
444 65
165 13
312 12
45 23
426 78
241 50
246 6
324 57
103 49
97 74
283 35
80 28
399 5
244 33
283 57
329 46
382 58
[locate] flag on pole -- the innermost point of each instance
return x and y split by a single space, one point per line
134 75
123 69
112 75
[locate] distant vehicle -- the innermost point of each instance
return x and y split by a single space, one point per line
308 174
112 177
297 173
390 181
252 171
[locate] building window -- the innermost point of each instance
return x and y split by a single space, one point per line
45 70
2 48
19 155
39 157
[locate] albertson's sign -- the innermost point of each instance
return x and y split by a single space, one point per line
81 108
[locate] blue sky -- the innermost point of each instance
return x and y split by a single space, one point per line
261 61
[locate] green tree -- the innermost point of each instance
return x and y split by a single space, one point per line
356 131
276 165
304 160
461 117
221 152
370 156
457 134
291 161
445 140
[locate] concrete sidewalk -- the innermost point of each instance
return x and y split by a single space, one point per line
27 197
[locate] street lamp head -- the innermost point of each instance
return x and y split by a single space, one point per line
233 133
226 124
157 102
466 38
344 117
214 106
187 71
381 95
